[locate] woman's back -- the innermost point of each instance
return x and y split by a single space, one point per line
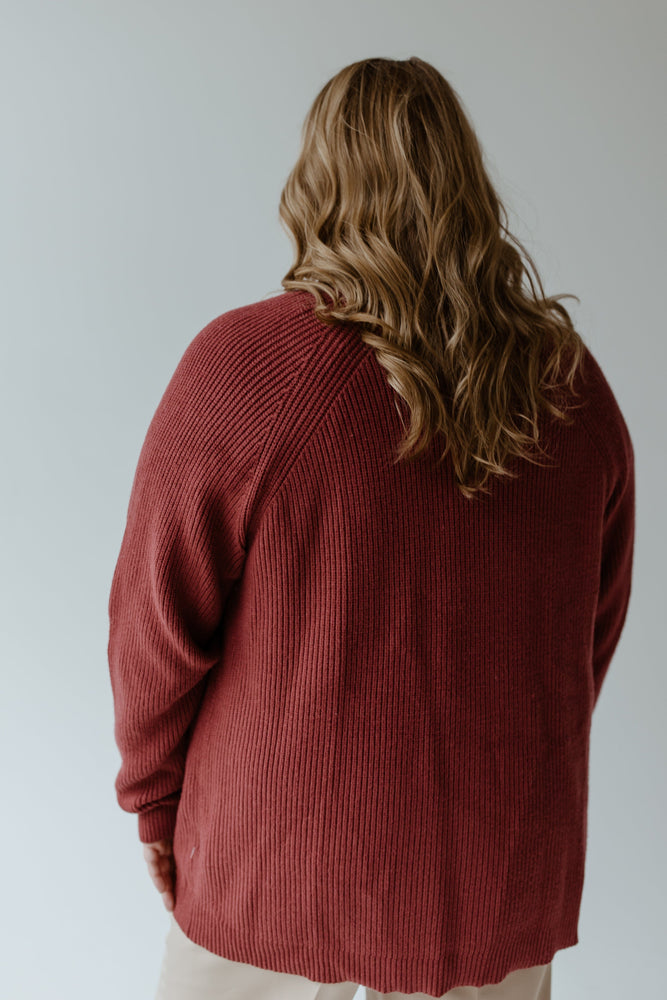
372 696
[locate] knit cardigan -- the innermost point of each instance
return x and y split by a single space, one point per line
359 702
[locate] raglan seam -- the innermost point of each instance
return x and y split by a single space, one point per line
282 477
275 437
281 481
266 452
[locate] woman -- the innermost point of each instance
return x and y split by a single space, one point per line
377 560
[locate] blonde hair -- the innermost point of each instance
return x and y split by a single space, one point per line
397 228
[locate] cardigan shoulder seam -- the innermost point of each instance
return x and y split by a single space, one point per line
266 450
296 418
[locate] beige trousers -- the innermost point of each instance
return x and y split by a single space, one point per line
190 972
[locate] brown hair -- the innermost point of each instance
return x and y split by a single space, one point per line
398 229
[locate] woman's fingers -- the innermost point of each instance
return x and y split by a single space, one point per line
168 900
160 865
160 861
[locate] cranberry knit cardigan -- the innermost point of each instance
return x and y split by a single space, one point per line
358 701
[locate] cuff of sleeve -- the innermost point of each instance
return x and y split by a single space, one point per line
157 823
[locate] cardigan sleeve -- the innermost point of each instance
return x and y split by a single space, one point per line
616 559
179 556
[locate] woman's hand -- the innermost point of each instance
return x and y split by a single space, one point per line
160 859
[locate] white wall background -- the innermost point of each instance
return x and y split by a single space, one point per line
144 147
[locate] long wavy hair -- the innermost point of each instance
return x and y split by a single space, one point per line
397 228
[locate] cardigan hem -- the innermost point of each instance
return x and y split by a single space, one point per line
385 973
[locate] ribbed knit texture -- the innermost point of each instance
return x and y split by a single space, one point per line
359 702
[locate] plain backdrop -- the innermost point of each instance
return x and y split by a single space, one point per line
144 147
